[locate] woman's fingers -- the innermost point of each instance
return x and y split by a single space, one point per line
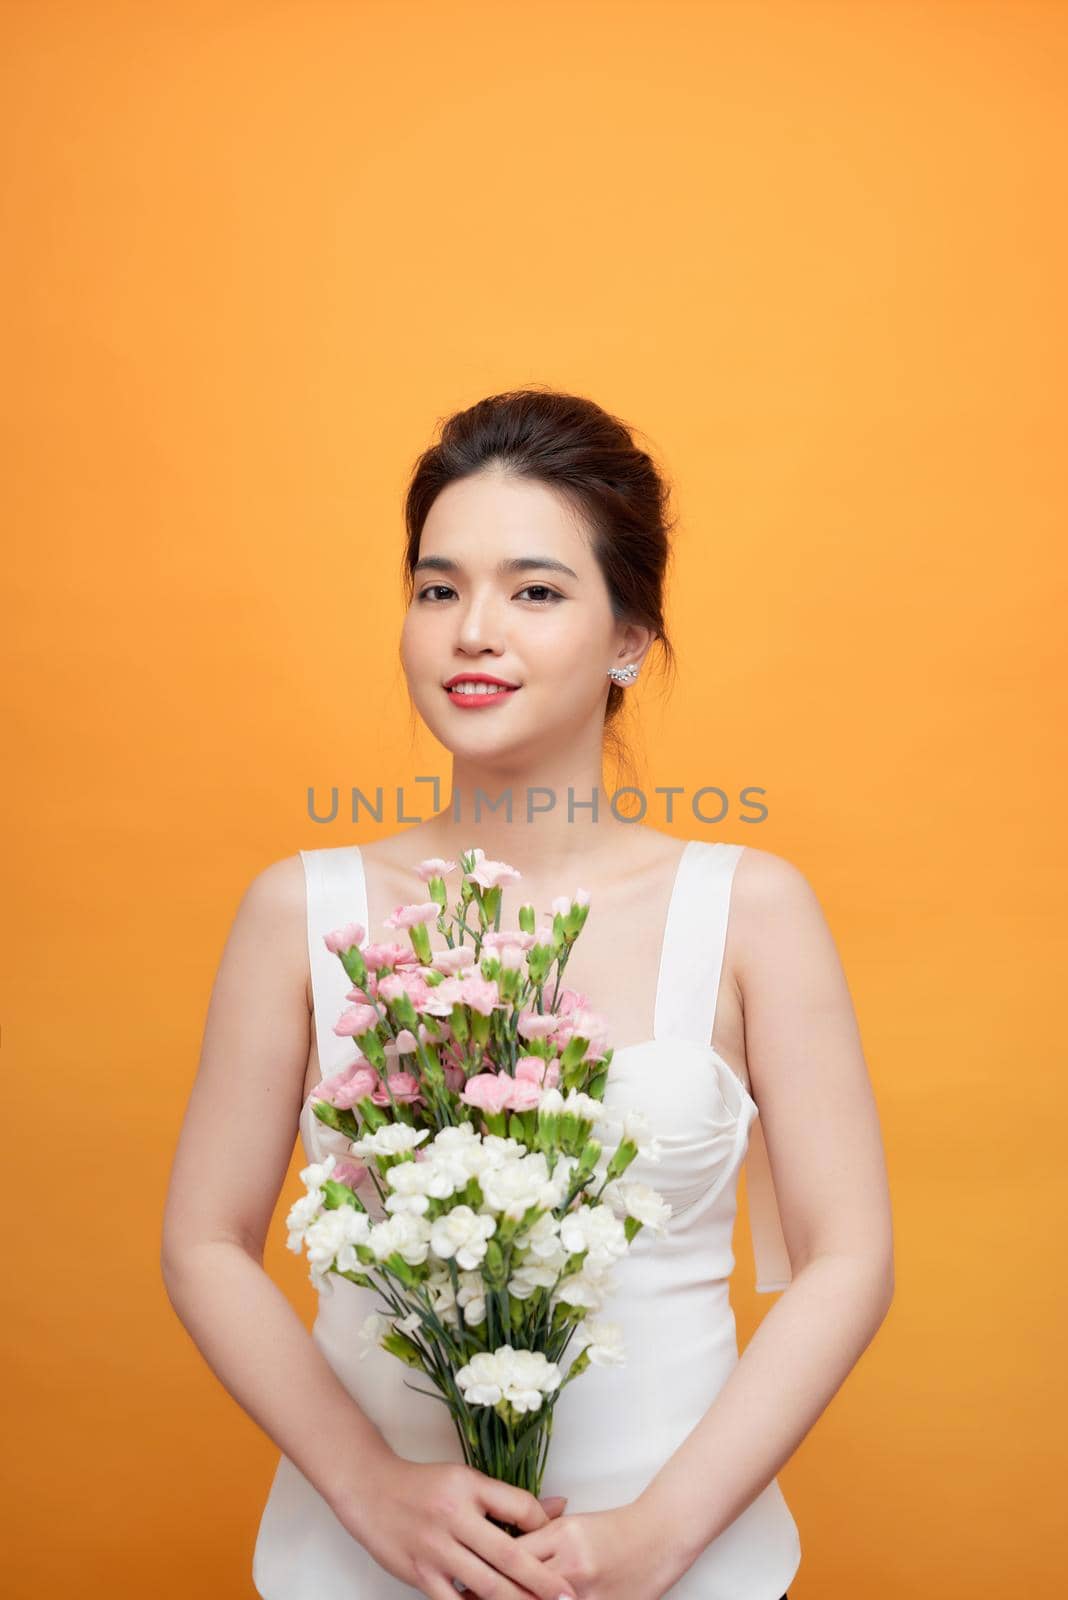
509 1504
526 1572
439 1587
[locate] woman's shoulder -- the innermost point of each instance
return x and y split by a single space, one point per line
775 911
766 878
277 889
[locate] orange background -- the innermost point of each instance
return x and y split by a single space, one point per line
816 253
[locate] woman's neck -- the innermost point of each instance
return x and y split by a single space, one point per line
541 821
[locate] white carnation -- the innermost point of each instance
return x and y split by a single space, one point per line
501 1148
455 1135
370 1331
522 1377
462 1233
332 1238
597 1230
533 1275
302 1212
518 1185
639 1201
410 1182
440 1290
471 1298
603 1340
577 1104
543 1237
580 1289
454 1156
406 1233
615 1126
636 1128
392 1139
315 1175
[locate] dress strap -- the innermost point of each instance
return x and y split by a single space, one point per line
694 942
336 891
691 967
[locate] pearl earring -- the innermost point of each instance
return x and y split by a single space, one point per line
625 674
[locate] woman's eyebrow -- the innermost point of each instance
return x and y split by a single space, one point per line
513 564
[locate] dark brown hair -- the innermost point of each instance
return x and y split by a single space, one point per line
591 459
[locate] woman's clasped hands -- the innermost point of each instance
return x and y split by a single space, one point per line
605 1555
428 1523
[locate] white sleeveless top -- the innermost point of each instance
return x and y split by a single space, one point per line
616 1426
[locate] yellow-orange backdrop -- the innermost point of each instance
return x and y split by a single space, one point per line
253 252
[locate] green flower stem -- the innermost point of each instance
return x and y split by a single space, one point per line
441 1332
547 1434
561 967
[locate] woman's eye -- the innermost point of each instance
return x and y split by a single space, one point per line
539 589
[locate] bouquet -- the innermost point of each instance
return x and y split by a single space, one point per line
474 1107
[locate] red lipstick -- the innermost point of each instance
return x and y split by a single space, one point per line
472 700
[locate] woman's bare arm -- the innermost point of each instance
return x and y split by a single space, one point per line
232 1157
824 1143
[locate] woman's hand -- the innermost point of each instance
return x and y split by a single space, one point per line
609 1555
428 1523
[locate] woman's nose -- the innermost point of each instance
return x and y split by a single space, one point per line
480 627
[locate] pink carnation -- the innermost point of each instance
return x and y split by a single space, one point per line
386 955
453 961
403 1086
496 938
537 1025
441 999
410 916
481 994
356 1020
434 867
546 1074
341 939
490 1091
329 1086
493 874
396 984
589 1025
359 1086
343 1088
525 1094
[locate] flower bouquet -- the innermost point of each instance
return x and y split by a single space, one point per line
474 1107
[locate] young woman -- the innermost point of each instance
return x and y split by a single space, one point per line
536 553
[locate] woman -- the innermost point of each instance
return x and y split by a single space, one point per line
537 547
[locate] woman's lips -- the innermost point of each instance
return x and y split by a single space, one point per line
473 701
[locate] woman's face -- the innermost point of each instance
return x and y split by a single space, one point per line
546 629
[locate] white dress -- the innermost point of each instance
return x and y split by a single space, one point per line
615 1426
